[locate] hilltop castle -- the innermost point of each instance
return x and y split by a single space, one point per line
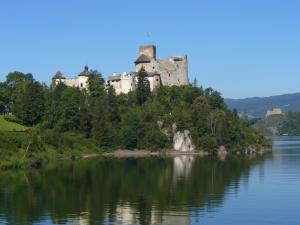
168 72
80 81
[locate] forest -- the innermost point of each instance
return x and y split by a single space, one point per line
40 122
286 124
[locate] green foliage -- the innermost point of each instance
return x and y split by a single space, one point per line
13 79
29 102
207 142
143 87
96 84
4 96
68 118
58 140
214 98
288 124
62 111
291 125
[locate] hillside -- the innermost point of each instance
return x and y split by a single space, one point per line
10 126
65 121
288 124
257 107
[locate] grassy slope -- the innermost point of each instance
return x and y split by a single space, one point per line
14 144
10 126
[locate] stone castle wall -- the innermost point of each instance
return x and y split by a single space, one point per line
173 70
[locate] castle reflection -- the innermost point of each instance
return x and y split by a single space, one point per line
118 191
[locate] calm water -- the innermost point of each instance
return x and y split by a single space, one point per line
182 190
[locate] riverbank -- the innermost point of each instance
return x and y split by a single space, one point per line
148 153
34 147
22 160
221 153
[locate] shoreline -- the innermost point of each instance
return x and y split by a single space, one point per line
147 153
122 153
37 162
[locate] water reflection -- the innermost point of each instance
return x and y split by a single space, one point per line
119 191
182 166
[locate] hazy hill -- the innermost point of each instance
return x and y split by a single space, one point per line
258 107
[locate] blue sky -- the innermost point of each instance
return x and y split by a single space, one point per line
241 48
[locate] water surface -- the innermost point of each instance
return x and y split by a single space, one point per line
181 190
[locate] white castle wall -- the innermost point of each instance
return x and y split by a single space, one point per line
122 83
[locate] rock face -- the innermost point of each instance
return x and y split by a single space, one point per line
182 141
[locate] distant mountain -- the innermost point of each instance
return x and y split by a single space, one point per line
257 107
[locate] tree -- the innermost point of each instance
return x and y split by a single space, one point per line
113 105
200 105
15 78
63 106
53 105
4 97
201 110
29 102
102 130
143 91
216 120
195 83
96 84
69 110
85 117
215 99
235 113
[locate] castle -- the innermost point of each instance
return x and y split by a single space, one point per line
80 81
274 111
168 72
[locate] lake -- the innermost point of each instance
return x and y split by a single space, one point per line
181 190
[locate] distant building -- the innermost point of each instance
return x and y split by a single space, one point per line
274 111
80 81
169 72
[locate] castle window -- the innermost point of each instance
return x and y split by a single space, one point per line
81 84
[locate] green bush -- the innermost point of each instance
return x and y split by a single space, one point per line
57 139
207 143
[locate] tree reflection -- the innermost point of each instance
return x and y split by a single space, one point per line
127 191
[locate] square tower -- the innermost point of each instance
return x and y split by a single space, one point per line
149 51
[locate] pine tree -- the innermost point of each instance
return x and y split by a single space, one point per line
195 83
113 105
143 87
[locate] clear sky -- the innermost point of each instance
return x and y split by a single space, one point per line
242 48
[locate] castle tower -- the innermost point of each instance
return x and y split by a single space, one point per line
172 71
148 50
83 78
57 78
147 56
